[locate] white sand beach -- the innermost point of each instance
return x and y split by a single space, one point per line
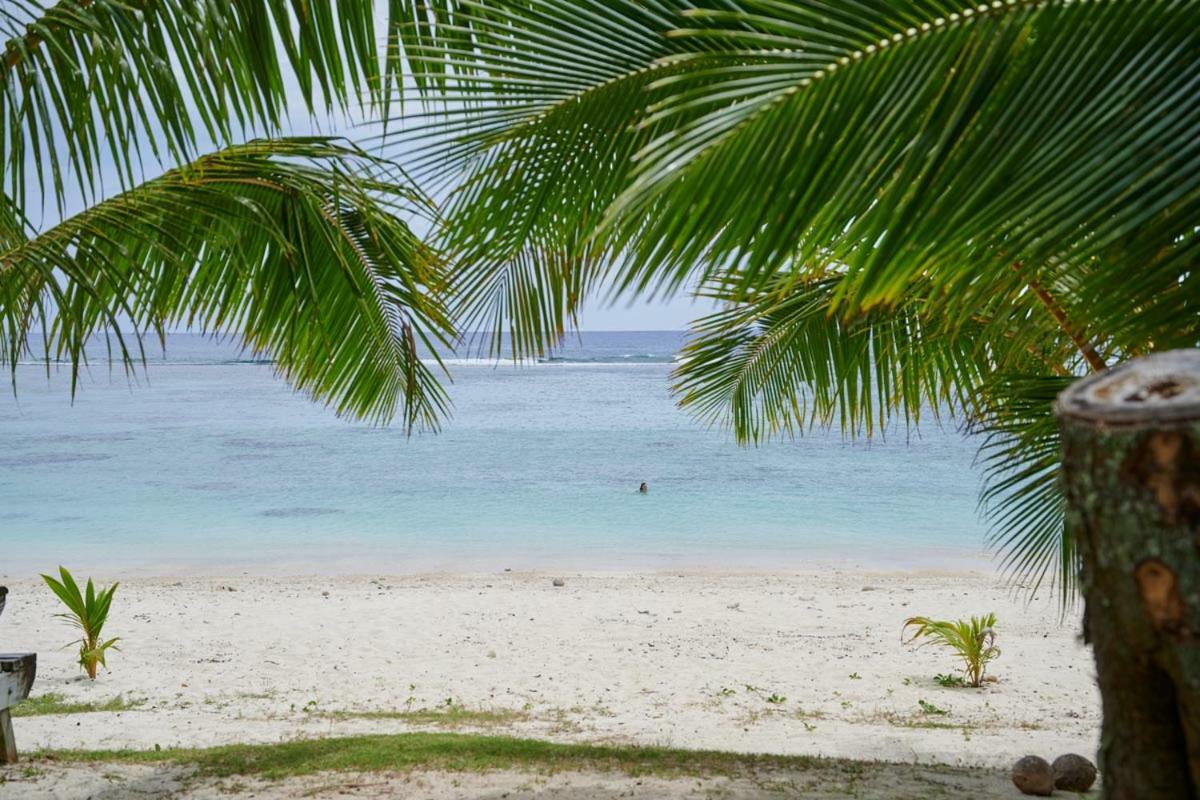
797 663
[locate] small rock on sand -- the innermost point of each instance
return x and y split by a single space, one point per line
559 582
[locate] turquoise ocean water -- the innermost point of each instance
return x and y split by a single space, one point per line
208 463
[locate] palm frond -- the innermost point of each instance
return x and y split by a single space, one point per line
905 142
902 139
785 358
85 83
1022 495
782 362
296 247
534 130
1010 189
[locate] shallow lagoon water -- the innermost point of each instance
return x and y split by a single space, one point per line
208 463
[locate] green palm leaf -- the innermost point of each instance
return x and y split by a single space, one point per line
85 82
1022 495
535 134
901 204
296 247
905 141
781 362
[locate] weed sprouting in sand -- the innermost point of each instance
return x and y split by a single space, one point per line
56 703
931 710
974 640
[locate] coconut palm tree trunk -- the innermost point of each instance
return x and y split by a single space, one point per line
1131 470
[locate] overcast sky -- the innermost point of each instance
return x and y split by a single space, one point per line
672 315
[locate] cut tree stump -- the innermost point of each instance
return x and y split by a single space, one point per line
17 671
1131 474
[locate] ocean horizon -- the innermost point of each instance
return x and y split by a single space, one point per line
206 462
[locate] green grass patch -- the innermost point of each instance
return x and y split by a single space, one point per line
454 753
909 722
446 716
55 703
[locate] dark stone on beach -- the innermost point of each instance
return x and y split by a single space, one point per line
1073 773
559 582
1033 775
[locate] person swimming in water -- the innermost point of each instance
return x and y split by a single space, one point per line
644 488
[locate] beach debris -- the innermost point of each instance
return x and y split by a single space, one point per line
1073 773
1033 775
324 594
559 582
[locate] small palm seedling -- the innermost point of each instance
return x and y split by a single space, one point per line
974 640
88 612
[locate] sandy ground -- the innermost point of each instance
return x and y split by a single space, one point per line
796 663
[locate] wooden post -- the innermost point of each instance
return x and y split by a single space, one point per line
16 679
8 742
1131 474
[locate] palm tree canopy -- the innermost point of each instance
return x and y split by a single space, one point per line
85 81
295 245
300 247
902 205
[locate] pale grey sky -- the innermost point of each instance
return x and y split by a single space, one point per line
671 315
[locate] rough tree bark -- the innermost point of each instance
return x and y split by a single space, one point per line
1131 472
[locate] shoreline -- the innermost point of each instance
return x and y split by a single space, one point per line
791 663
756 561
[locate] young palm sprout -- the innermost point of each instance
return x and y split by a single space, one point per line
88 612
974 640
